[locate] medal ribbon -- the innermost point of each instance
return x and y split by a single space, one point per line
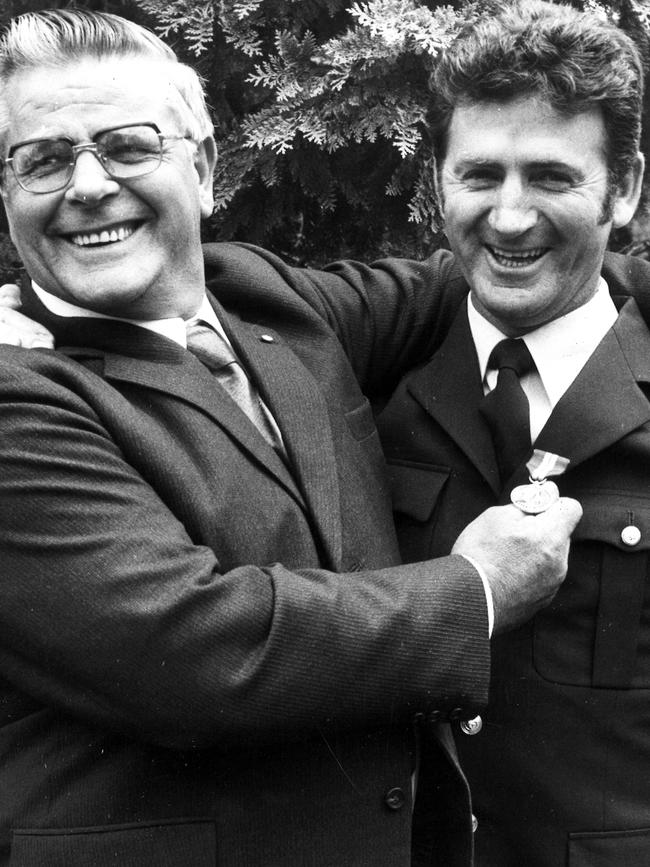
542 465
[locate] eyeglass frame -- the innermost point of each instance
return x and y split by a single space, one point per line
91 147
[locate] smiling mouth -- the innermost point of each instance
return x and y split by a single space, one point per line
103 238
516 258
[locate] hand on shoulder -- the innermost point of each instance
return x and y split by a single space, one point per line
15 328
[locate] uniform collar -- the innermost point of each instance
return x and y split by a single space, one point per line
560 348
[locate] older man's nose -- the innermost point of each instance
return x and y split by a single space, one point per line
90 182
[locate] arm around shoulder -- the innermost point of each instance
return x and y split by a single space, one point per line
388 316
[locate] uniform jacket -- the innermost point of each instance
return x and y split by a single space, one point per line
199 661
560 772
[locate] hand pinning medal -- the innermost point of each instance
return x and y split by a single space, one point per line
540 494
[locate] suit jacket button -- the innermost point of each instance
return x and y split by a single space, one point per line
471 726
267 338
395 798
631 536
434 716
457 713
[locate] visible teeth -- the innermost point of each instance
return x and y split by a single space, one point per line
106 237
517 258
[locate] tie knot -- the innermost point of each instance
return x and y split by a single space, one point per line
208 346
513 354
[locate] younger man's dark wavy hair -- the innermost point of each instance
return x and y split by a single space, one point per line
573 60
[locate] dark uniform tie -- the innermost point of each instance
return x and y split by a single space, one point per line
213 351
506 408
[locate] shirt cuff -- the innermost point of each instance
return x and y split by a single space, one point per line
488 592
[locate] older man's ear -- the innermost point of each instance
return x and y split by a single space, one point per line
17 329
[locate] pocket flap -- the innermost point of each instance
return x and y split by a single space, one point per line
165 844
606 515
602 849
361 421
415 487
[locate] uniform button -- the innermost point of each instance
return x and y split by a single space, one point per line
631 536
471 726
267 338
474 823
395 798
435 716
456 713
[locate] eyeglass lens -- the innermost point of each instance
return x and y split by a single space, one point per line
48 164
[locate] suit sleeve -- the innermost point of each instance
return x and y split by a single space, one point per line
388 316
112 614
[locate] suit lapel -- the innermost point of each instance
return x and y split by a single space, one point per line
604 403
141 357
300 410
449 388
189 381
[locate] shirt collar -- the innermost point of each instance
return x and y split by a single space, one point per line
560 348
172 328
206 314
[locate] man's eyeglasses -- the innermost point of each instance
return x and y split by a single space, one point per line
47 165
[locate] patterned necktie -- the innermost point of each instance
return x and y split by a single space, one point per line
215 353
506 408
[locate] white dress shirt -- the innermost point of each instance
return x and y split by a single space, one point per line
560 349
172 328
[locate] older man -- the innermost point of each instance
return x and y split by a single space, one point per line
539 159
207 651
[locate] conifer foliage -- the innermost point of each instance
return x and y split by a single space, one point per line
330 156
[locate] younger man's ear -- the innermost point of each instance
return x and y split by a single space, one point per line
437 187
628 194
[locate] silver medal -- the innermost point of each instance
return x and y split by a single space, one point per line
540 494
536 497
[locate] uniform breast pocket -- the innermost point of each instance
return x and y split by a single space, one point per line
596 632
416 491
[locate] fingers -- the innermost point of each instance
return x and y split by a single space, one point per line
571 510
18 330
566 512
10 296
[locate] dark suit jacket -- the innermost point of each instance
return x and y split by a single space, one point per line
560 772
200 663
